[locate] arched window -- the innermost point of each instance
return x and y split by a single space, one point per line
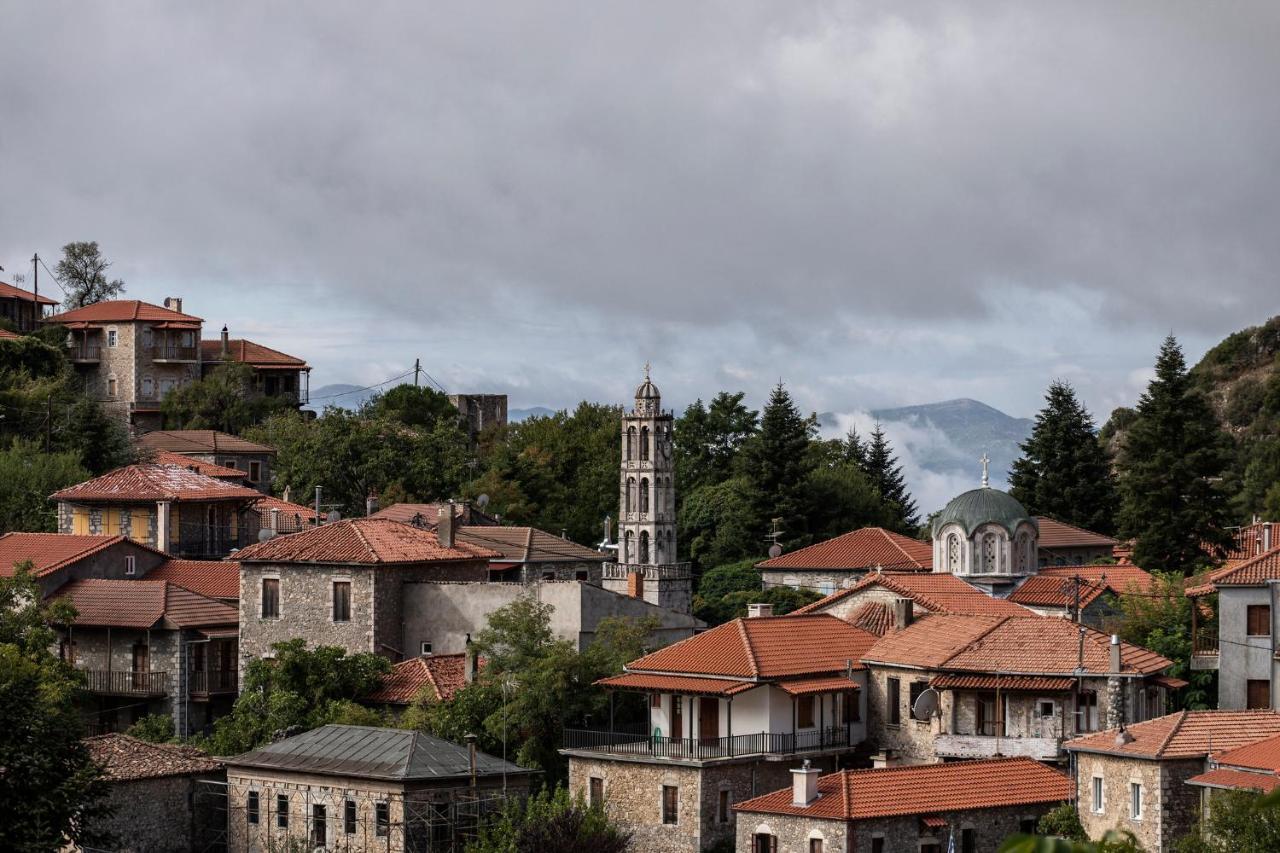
954 564
990 554
628 546
644 444
644 546
1023 551
629 499
631 443
644 494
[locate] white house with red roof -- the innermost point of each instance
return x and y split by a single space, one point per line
721 711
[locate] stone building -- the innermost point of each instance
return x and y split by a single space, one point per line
1091 594
168 507
356 789
343 584
1135 778
973 805
1253 767
841 562
22 308
528 555
1005 685
648 566
722 710
57 559
160 795
1062 544
217 448
276 374
480 411
149 647
987 538
130 354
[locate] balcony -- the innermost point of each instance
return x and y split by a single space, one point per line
988 746
167 353
667 571
126 682
640 745
85 353
213 682
1204 651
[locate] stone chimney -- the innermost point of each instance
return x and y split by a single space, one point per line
804 784
903 612
755 611
226 344
1115 690
444 526
371 504
471 661
173 303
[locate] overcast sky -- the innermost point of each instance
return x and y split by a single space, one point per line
879 203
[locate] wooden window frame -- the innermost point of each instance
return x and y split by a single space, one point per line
270 583
893 699
1258 620
253 807
670 805
341 611
282 811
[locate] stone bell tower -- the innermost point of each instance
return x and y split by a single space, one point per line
647 507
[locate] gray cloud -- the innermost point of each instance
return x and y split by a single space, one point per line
879 203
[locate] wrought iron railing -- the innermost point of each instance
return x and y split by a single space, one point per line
657 746
1204 643
126 682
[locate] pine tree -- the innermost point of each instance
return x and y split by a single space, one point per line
776 463
1170 461
886 475
854 449
1064 472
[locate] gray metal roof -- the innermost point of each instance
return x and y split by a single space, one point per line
984 506
361 751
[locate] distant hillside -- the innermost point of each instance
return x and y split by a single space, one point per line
340 395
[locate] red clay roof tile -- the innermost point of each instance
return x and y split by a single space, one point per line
859 549
1059 534
1054 587
688 684
201 441
362 541
8 291
143 604
212 578
249 352
1186 734
49 552
937 592
148 482
209 469
123 311
1236 780
126 759
1260 755
442 675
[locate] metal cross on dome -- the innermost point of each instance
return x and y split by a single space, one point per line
646 370
985 460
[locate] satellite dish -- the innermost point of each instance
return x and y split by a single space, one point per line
482 501
926 704
775 550
266 533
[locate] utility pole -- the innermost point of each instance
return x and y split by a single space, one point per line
48 422
417 368
35 269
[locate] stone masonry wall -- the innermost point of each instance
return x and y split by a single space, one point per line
1169 807
152 815
792 833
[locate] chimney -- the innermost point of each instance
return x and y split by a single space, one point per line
1266 537
275 518
173 303
472 662
226 344
883 758
804 784
755 611
371 504
162 525
1115 653
903 612
471 752
635 584
444 525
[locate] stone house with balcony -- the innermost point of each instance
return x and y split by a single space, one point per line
169 507
1234 630
841 562
276 374
216 448
130 354
22 309
723 710
1135 778
344 584
1004 685
354 788
150 647
1090 594
921 809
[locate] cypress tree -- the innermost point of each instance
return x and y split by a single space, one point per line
777 464
886 475
1064 472
1170 461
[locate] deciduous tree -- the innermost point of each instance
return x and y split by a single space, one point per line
83 273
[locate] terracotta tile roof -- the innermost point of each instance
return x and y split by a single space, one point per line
209 469
248 352
1034 683
527 544
143 604
288 510
362 541
428 514
1033 645
1059 534
123 311
875 617
859 549
6 335
924 789
1253 571
1260 755
212 578
1249 540
694 685
200 441
52 551
822 684
149 481
8 291
937 592
1236 780
1186 734
126 759
1053 586
767 647
442 675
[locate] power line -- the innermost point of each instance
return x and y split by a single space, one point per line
366 388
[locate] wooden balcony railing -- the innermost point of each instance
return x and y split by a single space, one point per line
126 682
84 352
173 353
759 743
213 682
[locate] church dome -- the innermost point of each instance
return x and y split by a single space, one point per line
647 390
984 506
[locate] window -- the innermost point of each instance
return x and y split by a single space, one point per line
804 712
815 845
722 808
349 817
916 688
282 811
148 387
319 825
670 803
1047 709
255 472
111 337
595 791
655 700
1135 800
765 843
877 844
852 707
426 648
1259 620
342 601
1096 804
1257 693
968 840
893 689
989 719
112 385
1027 826
271 598
130 565
1087 711
251 807
381 819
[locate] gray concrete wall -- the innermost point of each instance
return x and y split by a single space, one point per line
1241 657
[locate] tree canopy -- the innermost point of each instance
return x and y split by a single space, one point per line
83 274
227 399
882 467
551 821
